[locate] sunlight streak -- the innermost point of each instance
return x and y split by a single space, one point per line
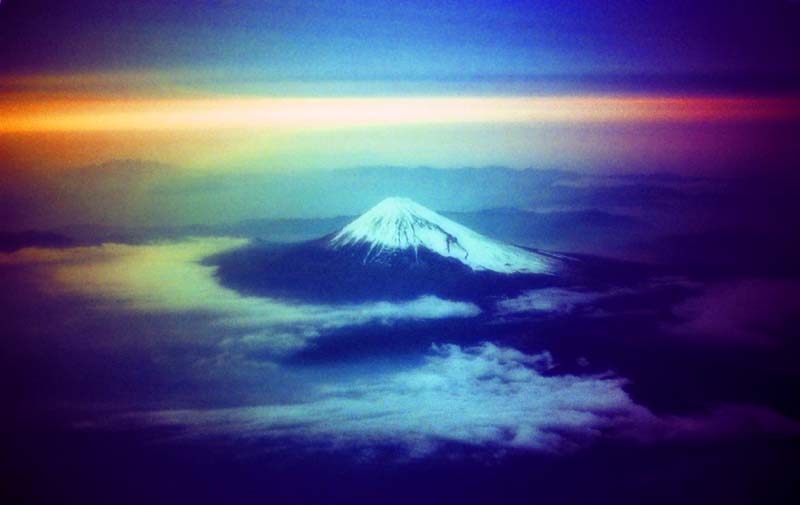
147 114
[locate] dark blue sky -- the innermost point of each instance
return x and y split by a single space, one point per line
755 43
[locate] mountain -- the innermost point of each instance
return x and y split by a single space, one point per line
397 249
398 225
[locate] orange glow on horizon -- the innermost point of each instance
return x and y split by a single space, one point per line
26 113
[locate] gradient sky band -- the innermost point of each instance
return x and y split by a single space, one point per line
96 115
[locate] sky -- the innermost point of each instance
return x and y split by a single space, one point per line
333 40
232 86
162 161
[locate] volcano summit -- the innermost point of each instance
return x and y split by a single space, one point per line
399 225
397 248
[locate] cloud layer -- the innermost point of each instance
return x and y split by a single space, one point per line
170 278
488 396
485 396
554 300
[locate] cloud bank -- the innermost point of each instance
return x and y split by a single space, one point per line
169 277
488 397
556 300
485 396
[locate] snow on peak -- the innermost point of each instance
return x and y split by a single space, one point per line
397 224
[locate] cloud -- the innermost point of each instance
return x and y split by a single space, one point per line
485 396
561 301
169 277
488 397
558 300
553 300
743 312
747 312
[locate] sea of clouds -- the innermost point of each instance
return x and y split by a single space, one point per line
485 396
170 277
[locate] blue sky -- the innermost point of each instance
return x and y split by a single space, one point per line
342 40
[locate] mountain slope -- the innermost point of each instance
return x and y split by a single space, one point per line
400 224
396 250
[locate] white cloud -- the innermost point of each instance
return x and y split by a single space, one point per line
558 300
485 396
169 277
561 301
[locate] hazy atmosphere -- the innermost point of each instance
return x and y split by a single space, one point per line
419 252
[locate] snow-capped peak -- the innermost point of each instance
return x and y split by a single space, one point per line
397 224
